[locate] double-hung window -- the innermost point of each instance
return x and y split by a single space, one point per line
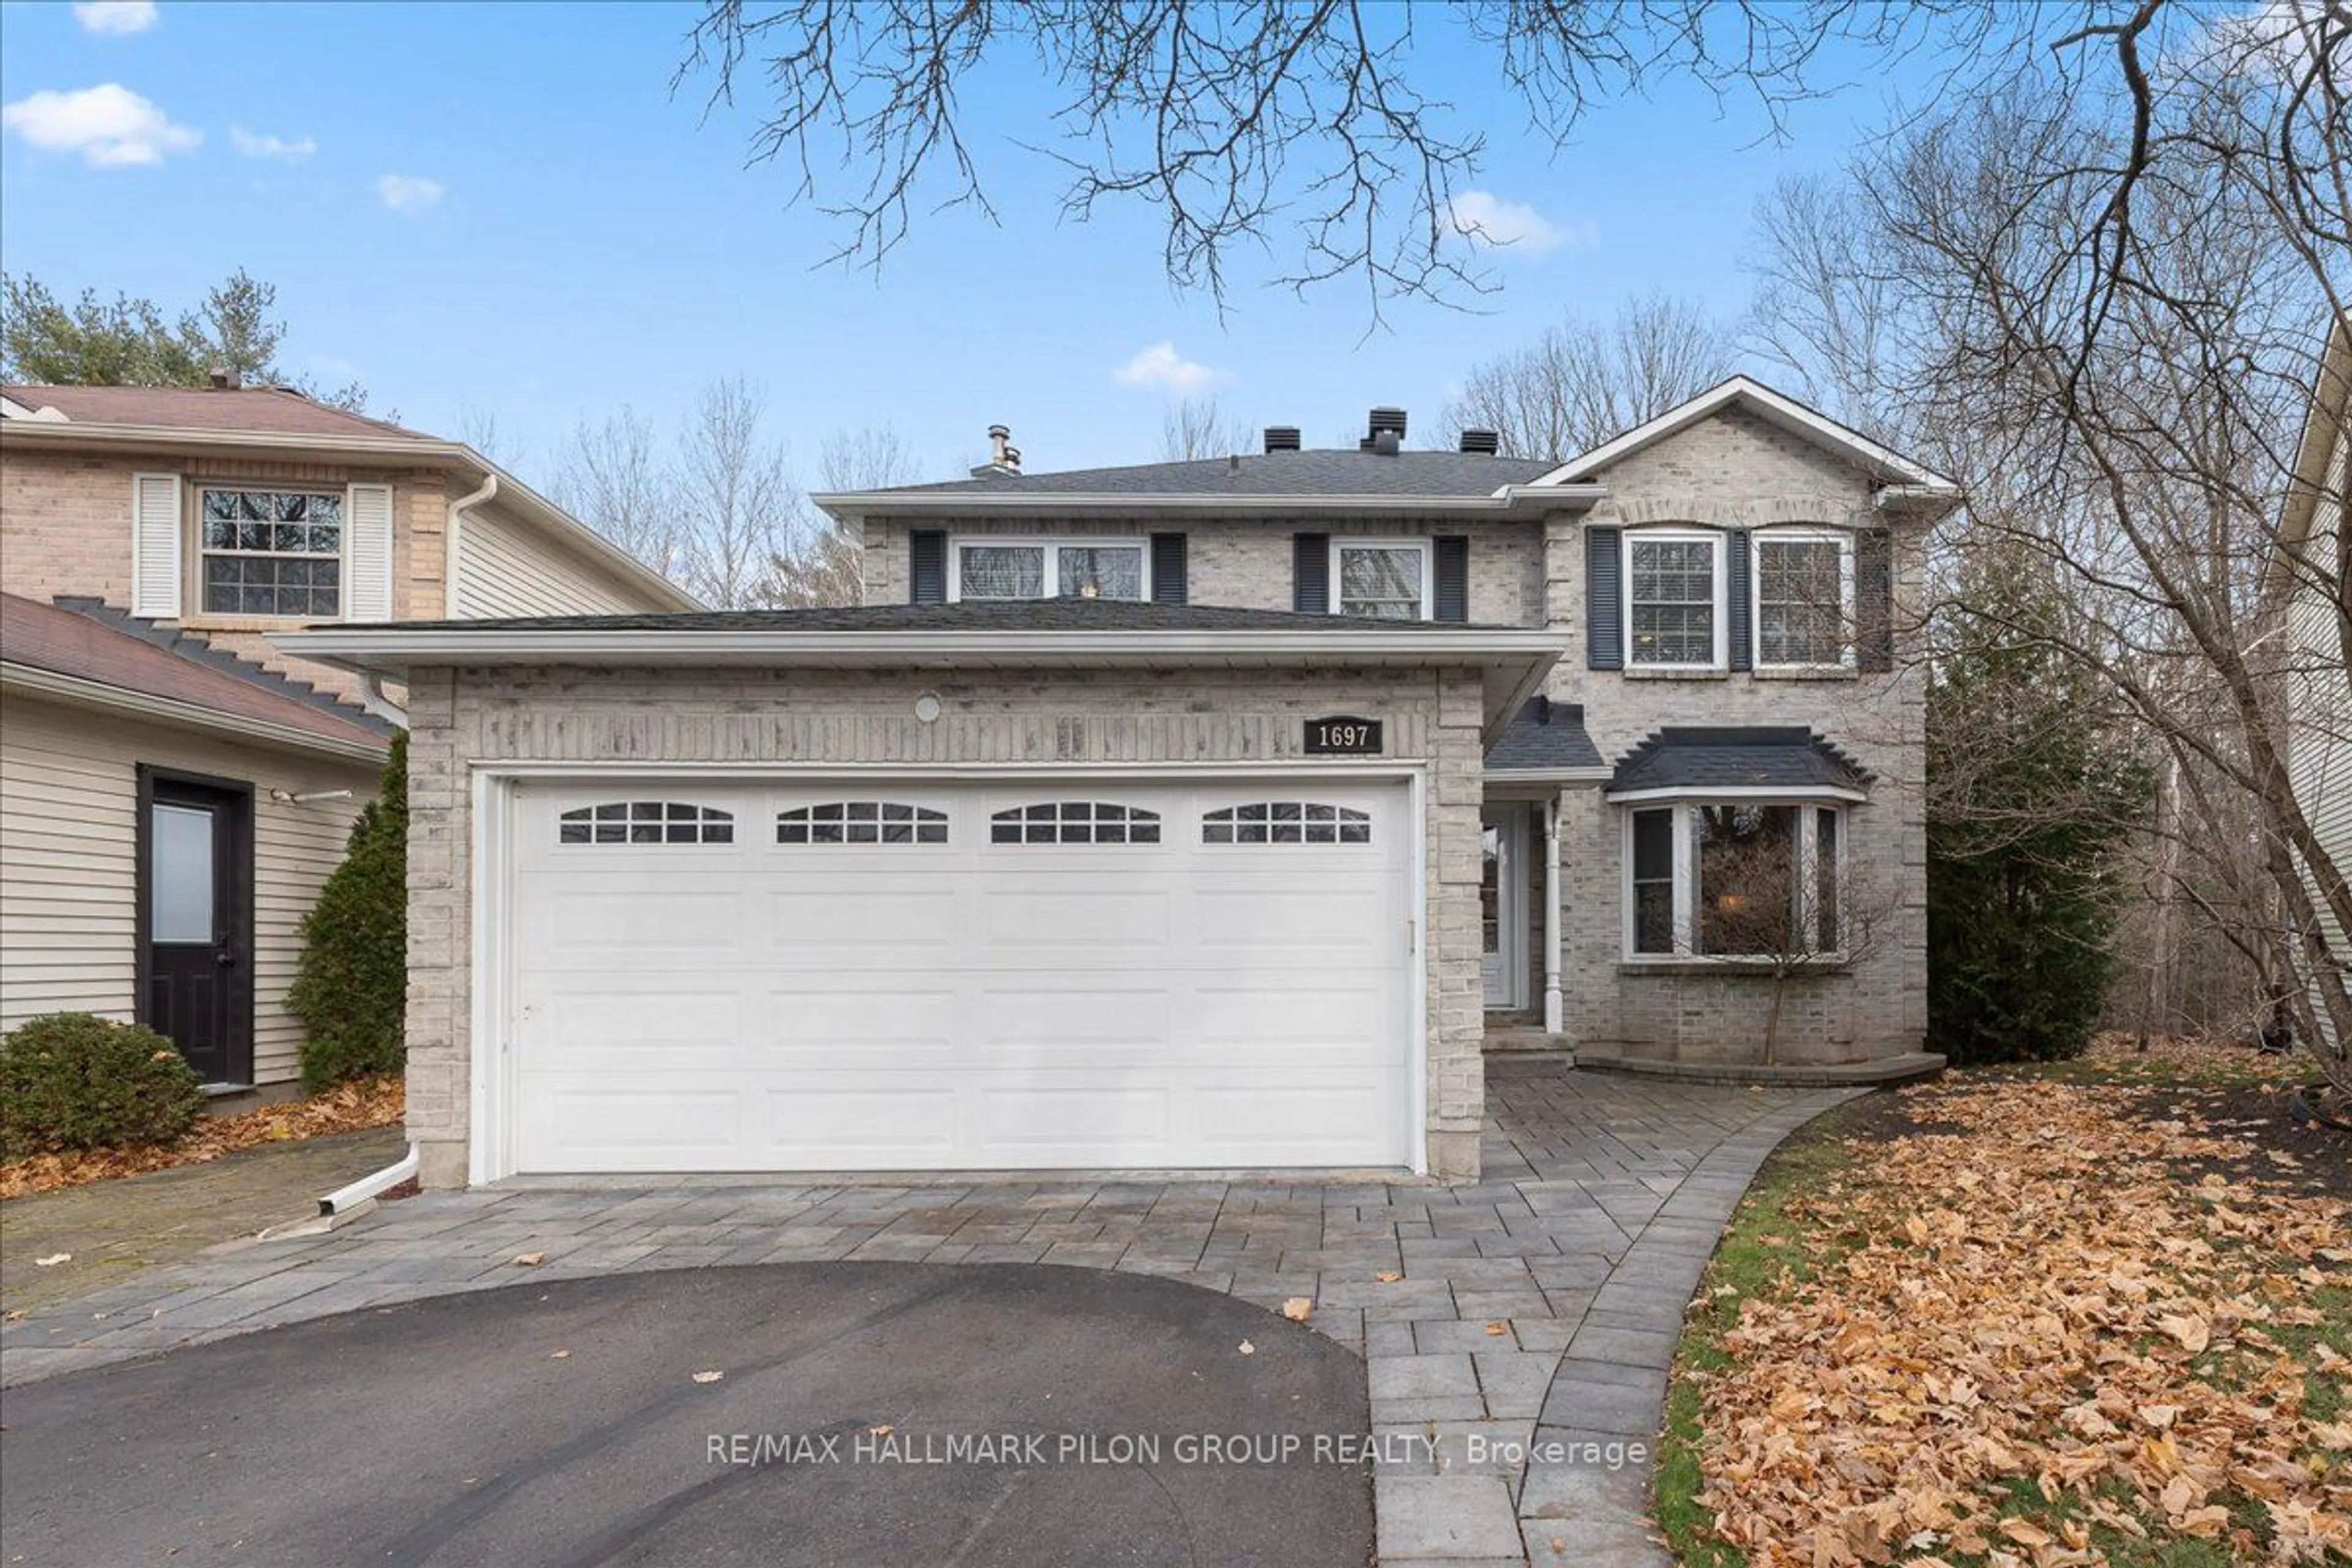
1804 600
986 568
1385 580
1736 880
272 551
1674 600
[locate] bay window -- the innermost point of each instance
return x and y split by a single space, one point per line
1048 569
1736 880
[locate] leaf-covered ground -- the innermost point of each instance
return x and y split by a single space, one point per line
2028 1321
346 1108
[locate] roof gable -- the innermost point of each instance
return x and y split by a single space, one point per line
1774 408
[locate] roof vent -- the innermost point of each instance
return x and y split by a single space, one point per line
1486 443
225 379
1004 457
1282 437
1389 421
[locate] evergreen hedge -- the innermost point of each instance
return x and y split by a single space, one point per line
74 1080
351 990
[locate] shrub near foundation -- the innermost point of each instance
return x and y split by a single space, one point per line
73 1081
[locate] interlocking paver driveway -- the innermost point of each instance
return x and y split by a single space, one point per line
1533 1313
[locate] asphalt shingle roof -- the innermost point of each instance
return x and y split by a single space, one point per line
1544 736
1736 757
270 410
1333 472
994 616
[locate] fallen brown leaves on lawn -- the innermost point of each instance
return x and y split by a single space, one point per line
346 1108
2039 1300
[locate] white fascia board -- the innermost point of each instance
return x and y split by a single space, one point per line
1784 412
29 681
390 649
1510 778
1511 500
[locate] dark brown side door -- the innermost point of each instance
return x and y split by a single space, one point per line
196 905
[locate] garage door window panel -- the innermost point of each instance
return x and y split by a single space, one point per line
645 822
1286 822
862 822
1075 822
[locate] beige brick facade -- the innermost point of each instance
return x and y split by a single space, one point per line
1733 470
462 718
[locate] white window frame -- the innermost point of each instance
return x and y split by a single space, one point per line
1717 542
1845 542
1342 543
1686 874
1050 544
192 529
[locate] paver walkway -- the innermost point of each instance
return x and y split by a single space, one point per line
113 1229
1524 1338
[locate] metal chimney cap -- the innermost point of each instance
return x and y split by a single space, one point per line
1390 421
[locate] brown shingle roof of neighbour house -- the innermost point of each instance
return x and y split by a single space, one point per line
268 409
83 647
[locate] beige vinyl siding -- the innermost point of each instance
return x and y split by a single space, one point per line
2319 755
68 808
505 568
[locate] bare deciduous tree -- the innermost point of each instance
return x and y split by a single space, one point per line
2112 282
736 489
1583 382
1198 428
825 565
1239 120
612 480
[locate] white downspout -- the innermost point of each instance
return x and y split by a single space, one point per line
1552 1020
452 542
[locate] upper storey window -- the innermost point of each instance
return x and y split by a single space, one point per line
272 551
1674 600
1049 569
1804 600
1385 580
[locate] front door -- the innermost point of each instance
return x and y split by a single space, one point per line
197 873
1503 905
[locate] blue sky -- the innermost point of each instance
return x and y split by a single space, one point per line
502 207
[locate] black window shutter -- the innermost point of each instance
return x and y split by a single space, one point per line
1167 569
1453 574
1873 600
1310 573
1740 633
926 566
1604 599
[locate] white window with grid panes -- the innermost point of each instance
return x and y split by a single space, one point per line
1674 600
273 550
986 568
1804 586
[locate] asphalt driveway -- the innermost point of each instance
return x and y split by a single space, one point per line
911 1412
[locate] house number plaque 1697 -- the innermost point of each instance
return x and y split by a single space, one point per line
1343 737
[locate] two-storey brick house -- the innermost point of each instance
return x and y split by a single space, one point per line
1186 815
174 791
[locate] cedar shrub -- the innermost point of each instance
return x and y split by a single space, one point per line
351 990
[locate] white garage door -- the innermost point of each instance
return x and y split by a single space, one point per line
868 976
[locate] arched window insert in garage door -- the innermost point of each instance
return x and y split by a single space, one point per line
862 822
1075 822
645 822
1286 822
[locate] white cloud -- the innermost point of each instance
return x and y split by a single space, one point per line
254 145
1160 365
111 126
2273 40
1486 219
408 193
114 16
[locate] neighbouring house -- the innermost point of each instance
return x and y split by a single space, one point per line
2311 577
1211 815
174 791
